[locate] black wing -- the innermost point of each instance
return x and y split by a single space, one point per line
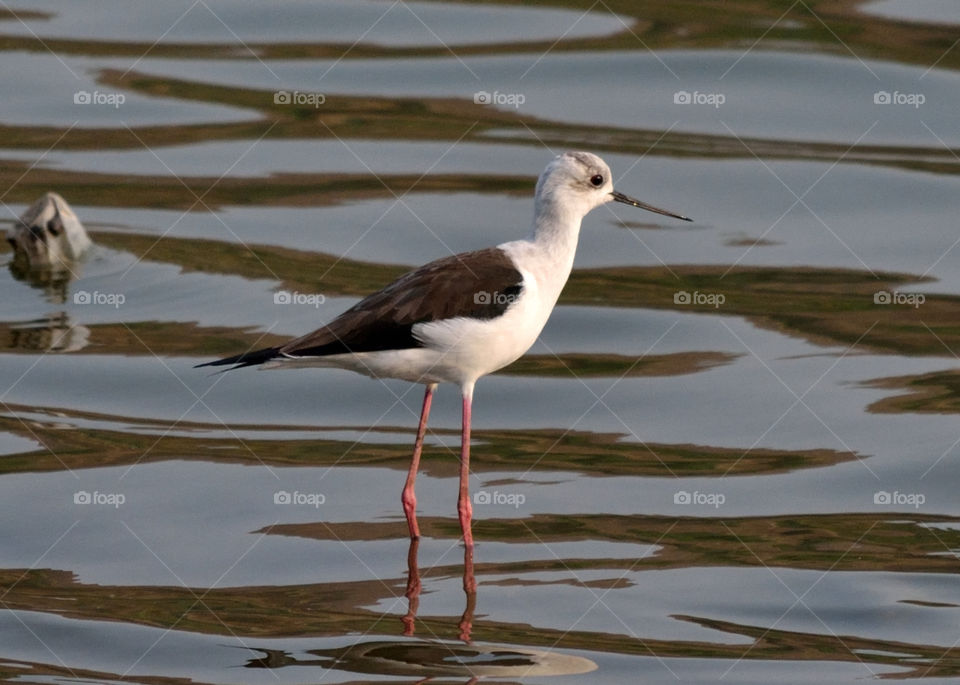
479 285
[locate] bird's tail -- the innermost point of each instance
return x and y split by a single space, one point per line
246 359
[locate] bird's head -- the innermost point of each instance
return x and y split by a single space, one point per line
580 181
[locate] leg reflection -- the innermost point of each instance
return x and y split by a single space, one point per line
413 588
414 585
470 590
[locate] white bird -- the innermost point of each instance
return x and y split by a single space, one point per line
464 316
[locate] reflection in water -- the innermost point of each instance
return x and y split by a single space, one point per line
54 333
54 283
818 304
122 439
937 392
758 553
433 658
414 585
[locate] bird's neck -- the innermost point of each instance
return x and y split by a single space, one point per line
556 230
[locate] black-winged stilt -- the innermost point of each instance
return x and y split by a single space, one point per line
464 316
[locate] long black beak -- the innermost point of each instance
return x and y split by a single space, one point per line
627 200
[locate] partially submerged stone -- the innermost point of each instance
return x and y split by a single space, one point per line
48 235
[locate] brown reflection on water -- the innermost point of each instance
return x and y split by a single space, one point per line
929 393
858 543
586 452
819 24
820 305
895 542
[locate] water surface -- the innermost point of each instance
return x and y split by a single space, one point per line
758 488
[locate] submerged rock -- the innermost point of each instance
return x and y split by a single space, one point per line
48 235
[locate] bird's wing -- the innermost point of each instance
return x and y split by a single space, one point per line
479 285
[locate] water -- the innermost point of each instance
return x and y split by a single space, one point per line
757 485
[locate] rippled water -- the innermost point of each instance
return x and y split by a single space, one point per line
757 485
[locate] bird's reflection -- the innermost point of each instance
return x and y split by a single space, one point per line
414 585
434 658
430 659
413 589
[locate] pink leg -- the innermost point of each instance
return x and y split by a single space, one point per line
408 498
464 507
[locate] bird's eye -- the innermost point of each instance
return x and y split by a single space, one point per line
597 180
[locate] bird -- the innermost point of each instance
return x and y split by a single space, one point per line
464 316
